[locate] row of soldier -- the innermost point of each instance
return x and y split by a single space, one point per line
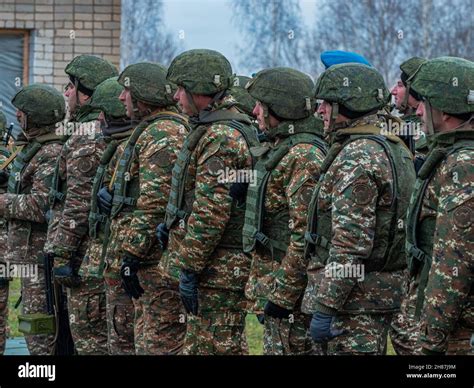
340 235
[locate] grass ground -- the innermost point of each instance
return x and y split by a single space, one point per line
254 329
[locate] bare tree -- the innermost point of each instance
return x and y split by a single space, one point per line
387 32
143 36
272 33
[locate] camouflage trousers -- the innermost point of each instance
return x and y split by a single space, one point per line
405 328
87 317
364 334
33 296
3 315
219 327
287 336
459 343
160 318
120 316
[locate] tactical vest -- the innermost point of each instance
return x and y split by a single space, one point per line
126 189
273 233
419 238
387 252
96 219
179 207
57 193
21 162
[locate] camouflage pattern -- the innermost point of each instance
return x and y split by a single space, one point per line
411 66
245 102
286 92
105 98
201 71
90 71
68 230
159 328
3 251
25 213
147 83
3 124
447 318
350 199
194 243
51 110
447 76
357 87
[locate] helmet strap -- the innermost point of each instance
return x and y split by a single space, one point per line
404 105
334 114
429 118
192 104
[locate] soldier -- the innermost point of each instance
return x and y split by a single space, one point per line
4 154
276 212
135 200
440 232
355 227
404 329
70 200
406 102
39 109
205 222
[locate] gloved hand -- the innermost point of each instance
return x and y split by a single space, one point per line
67 275
320 328
188 289
238 192
130 281
275 311
261 318
4 175
104 201
4 282
162 233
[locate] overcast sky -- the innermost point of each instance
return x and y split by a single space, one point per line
208 24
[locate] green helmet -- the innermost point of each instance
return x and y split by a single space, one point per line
447 83
357 87
3 124
410 67
42 104
286 92
106 98
147 83
89 71
201 71
244 100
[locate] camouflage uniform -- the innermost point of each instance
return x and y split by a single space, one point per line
70 201
404 328
278 271
205 222
26 203
440 218
141 171
4 153
355 229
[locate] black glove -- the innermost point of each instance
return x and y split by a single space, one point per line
238 192
67 275
261 318
104 201
275 311
188 289
320 328
4 282
130 282
162 233
4 176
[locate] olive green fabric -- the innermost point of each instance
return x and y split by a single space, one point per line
90 70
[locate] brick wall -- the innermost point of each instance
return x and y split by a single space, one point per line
61 29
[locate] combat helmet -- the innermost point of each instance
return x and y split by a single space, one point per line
245 101
409 69
106 98
42 104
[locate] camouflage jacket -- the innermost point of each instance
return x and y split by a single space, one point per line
356 188
448 298
77 165
194 241
26 211
3 220
133 229
289 187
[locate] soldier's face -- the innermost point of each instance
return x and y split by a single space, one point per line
398 93
126 99
21 117
71 97
259 114
181 98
